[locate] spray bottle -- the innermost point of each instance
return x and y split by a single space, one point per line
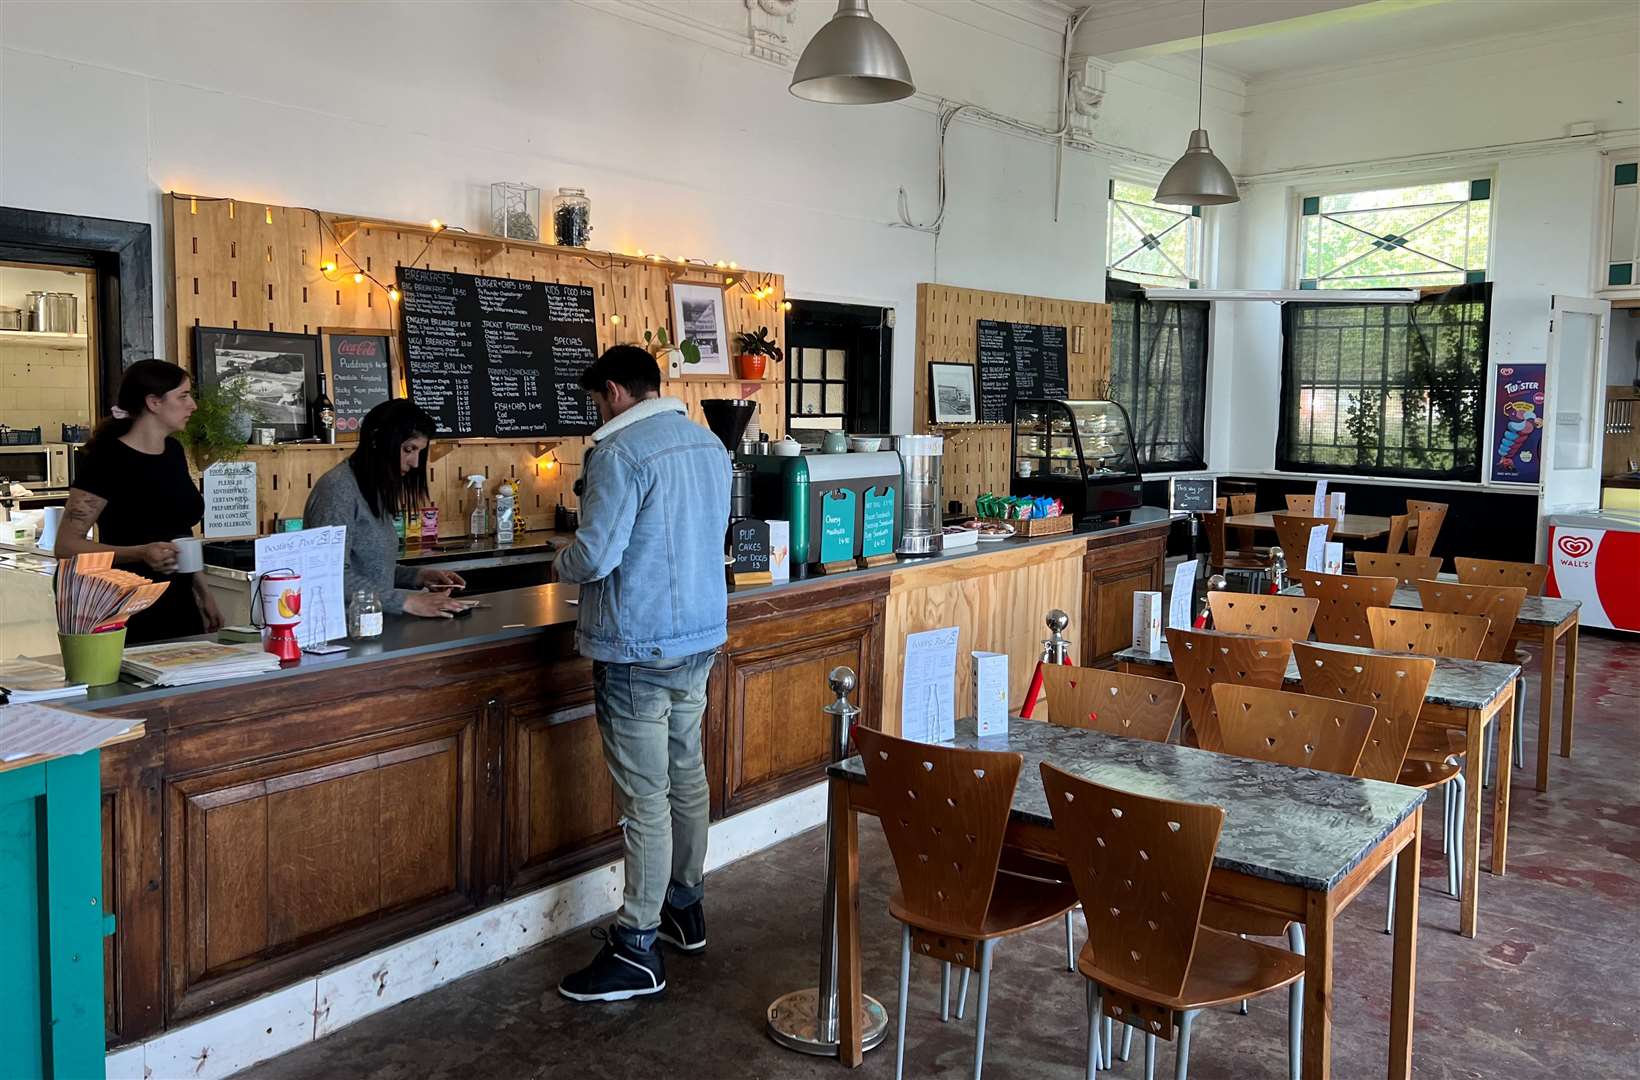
478 519
504 512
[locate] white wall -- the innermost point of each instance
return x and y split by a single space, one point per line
685 144
1468 109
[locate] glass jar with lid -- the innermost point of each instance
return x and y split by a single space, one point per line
571 217
364 615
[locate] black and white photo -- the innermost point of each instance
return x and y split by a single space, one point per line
278 373
951 393
697 314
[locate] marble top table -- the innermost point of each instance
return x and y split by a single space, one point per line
1296 826
1461 684
1353 527
1534 610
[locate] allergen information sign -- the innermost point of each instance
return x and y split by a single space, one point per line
498 358
230 499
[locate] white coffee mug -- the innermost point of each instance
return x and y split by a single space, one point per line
52 517
190 554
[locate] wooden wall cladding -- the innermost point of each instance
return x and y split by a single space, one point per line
977 459
256 266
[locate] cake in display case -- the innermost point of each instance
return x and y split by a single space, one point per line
1079 452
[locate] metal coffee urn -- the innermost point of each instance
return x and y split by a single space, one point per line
922 461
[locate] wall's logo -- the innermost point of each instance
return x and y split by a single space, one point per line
1575 547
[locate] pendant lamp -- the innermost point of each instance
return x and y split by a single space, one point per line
852 60
1198 178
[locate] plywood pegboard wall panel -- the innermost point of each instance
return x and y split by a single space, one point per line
977 458
256 266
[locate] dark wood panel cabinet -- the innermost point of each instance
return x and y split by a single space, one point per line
1111 573
561 807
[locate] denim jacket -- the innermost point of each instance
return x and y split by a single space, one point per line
649 551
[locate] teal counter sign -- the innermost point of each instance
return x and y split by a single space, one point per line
837 526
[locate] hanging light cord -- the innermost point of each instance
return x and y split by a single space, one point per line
1201 66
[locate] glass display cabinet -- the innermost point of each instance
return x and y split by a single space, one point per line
1079 452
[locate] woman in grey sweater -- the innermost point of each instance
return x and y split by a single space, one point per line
385 476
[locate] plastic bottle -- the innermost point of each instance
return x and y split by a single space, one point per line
478 520
505 502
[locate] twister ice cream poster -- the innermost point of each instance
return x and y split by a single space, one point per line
1517 433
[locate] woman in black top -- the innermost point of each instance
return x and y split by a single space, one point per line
132 482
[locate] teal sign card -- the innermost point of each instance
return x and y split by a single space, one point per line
877 535
837 526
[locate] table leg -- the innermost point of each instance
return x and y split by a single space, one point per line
1318 986
1404 974
1474 767
1505 719
1571 690
1546 705
845 854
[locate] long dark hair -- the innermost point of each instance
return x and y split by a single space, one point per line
375 463
142 380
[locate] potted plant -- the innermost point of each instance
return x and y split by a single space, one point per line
667 355
756 350
220 428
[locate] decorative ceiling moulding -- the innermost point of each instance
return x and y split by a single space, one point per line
1087 95
768 31
1604 142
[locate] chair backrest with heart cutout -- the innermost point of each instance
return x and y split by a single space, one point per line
1116 703
1428 633
1394 685
1202 658
1292 729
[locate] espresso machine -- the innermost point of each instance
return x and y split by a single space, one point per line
728 417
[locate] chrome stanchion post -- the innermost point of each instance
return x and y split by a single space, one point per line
1056 649
807 1020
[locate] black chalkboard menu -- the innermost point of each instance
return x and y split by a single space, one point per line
361 374
498 358
1019 360
1192 494
749 546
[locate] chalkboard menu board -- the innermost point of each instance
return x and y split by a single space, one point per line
749 546
361 374
498 358
1192 494
1019 360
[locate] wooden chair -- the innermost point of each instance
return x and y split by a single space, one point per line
1235 506
1293 534
1219 557
1499 603
1116 703
1141 867
1301 504
1529 576
1424 526
944 812
1397 535
1202 658
1344 598
1427 633
1406 569
1262 616
1291 729
1395 686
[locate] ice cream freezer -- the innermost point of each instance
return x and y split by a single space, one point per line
1595 557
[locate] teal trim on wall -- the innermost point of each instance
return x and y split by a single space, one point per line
1620 274
1312 205
1626 173
1480 189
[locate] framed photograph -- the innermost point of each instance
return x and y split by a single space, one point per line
951 393
279 372
697 313
362 370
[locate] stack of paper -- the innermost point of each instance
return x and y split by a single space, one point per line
30 680
188 662
40 731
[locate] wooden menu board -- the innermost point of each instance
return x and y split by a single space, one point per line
360 367
1018 360
498 357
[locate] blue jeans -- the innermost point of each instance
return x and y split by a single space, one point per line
650 717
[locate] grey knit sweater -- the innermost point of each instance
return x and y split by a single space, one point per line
372 542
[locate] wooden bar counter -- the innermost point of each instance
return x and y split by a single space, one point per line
265 829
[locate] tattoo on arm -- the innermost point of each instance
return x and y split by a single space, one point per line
81 513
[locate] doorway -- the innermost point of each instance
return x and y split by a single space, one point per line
839 371
47 355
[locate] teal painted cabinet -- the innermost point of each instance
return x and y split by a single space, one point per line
52 920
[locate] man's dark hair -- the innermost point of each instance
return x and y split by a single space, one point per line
624 365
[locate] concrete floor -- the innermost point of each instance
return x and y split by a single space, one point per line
1549 988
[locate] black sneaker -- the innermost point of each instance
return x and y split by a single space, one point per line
617 973
683 928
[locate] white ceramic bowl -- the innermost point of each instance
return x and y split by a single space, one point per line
865 444
785 449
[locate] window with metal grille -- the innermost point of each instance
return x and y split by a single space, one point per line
1149 243
816 389
1385 389
1158 373
1403 237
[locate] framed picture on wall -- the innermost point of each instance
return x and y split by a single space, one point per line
361 366
279 373
697 314
951 393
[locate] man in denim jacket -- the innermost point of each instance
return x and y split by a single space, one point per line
654 608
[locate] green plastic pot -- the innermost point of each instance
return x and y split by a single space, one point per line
93 659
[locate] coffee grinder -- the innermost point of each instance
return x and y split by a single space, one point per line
728 417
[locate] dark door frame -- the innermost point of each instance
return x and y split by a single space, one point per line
872 326
120 253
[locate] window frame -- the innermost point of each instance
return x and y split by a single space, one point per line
1190 465
795 382
1352 185
1206 231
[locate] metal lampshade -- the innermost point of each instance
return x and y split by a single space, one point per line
1198 178
852 60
